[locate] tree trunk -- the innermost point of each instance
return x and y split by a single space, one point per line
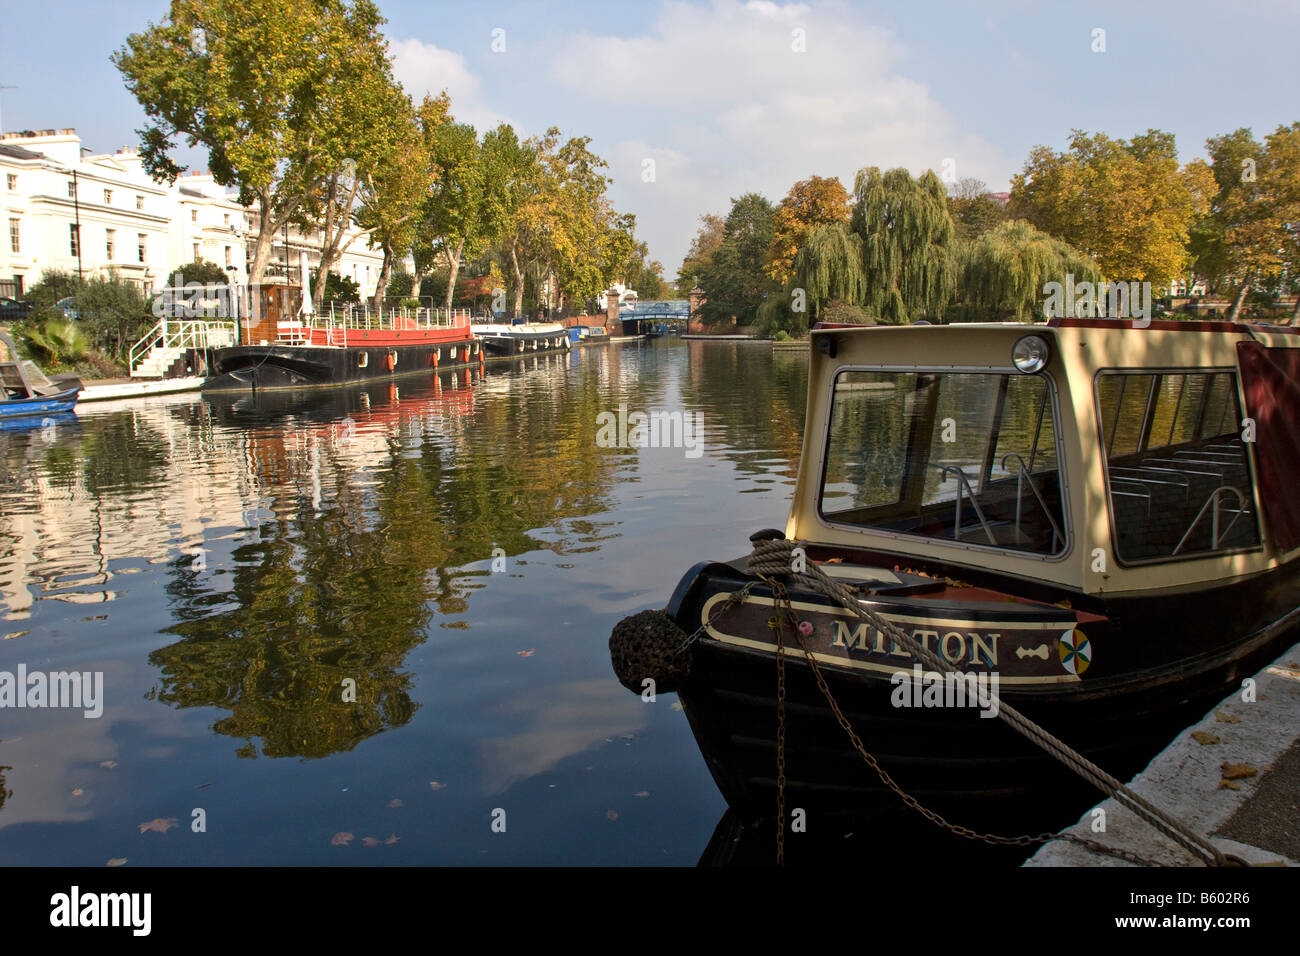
453 268
267 229
519 281
1237 303
385 273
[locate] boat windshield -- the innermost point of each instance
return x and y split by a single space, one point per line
962 456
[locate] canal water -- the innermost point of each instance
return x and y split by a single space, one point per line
370 625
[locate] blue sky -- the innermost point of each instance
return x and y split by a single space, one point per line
717 95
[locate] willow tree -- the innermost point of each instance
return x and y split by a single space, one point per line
907 243
1005 270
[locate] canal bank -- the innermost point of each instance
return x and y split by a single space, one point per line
1233 776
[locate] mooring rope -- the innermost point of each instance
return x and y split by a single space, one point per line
775 559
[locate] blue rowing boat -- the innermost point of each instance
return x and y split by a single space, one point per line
26 390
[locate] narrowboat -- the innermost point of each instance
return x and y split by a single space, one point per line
27 391
521 338
281 346
1096 520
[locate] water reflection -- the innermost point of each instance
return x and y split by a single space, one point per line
234 562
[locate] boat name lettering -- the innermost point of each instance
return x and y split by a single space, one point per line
956 647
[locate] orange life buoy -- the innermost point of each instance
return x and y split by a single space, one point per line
392 361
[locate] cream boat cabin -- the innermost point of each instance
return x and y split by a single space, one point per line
1098 518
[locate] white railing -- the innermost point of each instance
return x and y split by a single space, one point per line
341 318
182 334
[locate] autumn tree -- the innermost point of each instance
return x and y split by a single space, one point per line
1250 229
1128 204
809 203
264 86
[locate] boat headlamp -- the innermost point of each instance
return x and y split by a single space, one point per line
1030 354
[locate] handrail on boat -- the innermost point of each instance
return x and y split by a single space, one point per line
1216 534
964 482
1023 475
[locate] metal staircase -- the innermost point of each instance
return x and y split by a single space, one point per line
169 339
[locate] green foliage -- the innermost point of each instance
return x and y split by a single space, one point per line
55 341
201 271
704 246
973 211
907 238
1003 272
337 288
55 284
734 279
400 283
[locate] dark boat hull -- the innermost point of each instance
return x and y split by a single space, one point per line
1158 666
525 343
244 367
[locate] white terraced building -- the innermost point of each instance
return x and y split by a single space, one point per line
63 209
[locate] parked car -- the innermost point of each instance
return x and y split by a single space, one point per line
68 307
11 309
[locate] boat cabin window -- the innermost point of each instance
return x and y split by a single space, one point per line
961 456
1178 477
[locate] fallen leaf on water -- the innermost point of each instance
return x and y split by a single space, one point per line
341 839
1237 771
203 786
391 840
1223 718
1226 784
12 634
370 841
394 803
116 861
611 814
435 785
528 653
159 825
1203 738
108 764
641 793
77 792
677 705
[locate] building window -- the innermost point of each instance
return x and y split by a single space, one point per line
110 237
140 241
227 219
74 241
108 197
229 260
13 235
72 189
12 180
196 252
194 215
139 205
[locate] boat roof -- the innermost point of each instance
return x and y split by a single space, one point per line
1079 350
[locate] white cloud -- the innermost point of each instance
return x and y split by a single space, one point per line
740 110
427 68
